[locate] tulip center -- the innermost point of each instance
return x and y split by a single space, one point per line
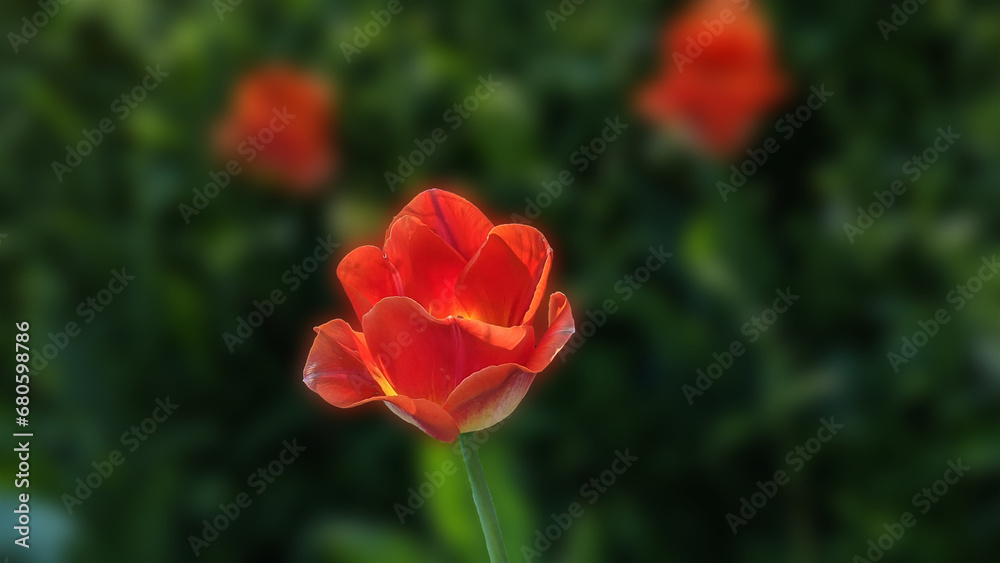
383 383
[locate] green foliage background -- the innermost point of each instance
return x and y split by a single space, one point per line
621 390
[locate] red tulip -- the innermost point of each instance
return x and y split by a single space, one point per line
278 126
446 310
719 75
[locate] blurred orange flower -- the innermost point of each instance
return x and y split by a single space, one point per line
278 126
718 76
446 309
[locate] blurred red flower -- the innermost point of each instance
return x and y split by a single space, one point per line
718 76
446 310
278 126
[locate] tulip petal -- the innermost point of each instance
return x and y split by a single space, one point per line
488 396
459 223
428 267
531 248
717 98
482 345
561 328
415 350
301 154
338 372
425 357
337 369
368 276
505 281
718 108
425 415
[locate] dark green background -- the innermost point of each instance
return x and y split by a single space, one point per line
825 357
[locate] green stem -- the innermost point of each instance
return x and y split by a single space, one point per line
484 502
